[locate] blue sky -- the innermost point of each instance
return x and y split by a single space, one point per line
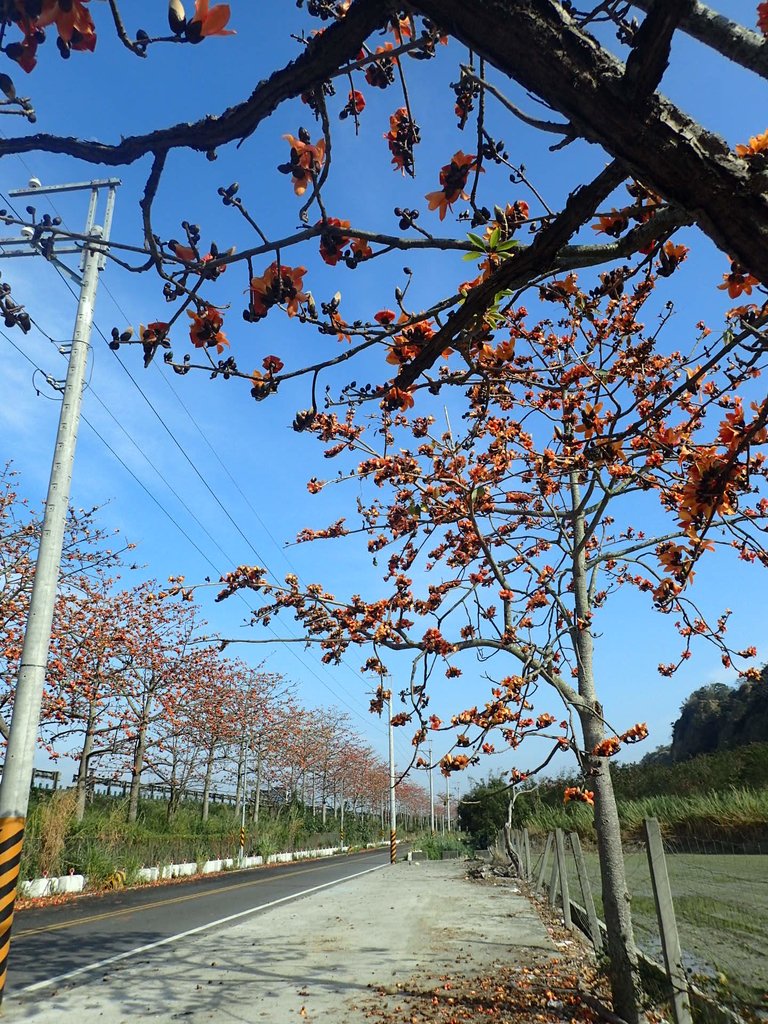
255 467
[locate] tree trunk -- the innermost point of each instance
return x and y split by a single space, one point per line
257 794
626 989
81 785
136 769
240 790
174 798
207 783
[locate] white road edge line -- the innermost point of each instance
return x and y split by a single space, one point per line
99 964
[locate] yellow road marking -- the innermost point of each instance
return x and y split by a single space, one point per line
161 903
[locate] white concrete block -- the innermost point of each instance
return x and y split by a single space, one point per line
37 887
166 871
70 883
228 862
185 870
211 866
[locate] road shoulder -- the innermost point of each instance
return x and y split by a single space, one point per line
345 955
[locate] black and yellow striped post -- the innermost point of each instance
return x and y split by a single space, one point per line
11 840
242 845
341 838
393 846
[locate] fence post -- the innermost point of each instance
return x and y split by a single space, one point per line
544 858
527 854
665 909
563 872
554 877
586 892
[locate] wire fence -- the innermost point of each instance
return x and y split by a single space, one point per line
719 892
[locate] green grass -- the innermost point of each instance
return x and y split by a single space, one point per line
105 842
737 815
433 845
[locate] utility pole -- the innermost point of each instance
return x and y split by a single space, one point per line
448 802
341 829
22 742
392 806
241 856
431 795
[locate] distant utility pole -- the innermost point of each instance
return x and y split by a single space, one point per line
448 802
431 795
19 759
241 855
392 805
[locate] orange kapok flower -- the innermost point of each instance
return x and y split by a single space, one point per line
205 330
402 136
738 282
407 345
762 18
614 223
585 796
453 178
396 398
608 747
208 21
272 364
306 162
757 144
384 317
333 240
711 488
73 23
361 249
275 287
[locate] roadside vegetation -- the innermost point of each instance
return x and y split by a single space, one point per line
719 797
103 842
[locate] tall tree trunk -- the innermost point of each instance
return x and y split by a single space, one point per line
207 782
239 792
626 989
136 769
81 785
174 796
257 794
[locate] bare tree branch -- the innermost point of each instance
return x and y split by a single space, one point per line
739 44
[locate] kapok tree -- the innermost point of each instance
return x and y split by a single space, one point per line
88 552
600 91
591 458
151 675
82 707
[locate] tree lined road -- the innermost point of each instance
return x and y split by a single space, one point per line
50 943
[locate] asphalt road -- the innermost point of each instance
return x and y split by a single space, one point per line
82 936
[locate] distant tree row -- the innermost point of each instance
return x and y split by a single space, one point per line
133 690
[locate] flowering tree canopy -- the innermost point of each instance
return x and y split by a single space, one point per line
585 448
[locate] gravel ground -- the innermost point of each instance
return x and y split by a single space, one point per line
324 959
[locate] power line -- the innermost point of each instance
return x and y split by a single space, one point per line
197 473
180 528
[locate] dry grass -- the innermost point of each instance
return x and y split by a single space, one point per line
55 819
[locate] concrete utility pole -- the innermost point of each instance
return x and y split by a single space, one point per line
392 805
241 856
19 759
448 803
431 795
